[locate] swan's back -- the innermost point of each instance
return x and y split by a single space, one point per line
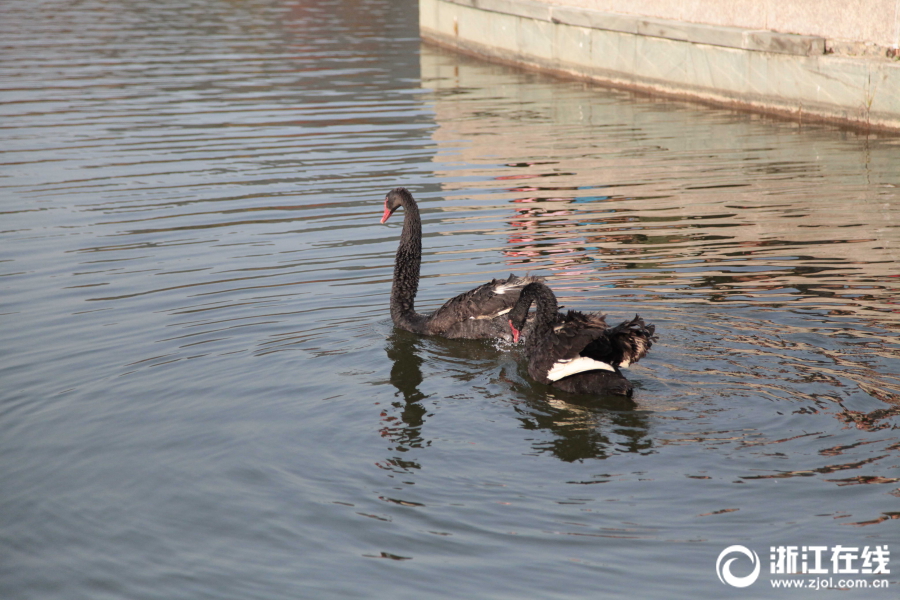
479 312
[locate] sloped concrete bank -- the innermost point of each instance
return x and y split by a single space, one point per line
759 70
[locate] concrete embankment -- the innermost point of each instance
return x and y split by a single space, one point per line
808 76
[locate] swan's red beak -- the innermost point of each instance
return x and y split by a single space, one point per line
515 333
387 213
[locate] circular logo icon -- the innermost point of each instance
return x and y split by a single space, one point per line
723 570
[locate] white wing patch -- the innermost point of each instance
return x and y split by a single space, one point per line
493 316
564 368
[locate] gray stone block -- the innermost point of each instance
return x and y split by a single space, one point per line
573 46
783 43
519 8
536 38
594 19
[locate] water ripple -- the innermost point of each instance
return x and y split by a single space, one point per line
202 387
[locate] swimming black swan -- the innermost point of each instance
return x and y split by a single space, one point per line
478 313
580 354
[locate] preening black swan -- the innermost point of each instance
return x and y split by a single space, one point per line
580 354
478 313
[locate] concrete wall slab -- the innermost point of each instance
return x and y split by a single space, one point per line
536 38
573 46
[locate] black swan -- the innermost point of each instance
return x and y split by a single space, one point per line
478 313
580 354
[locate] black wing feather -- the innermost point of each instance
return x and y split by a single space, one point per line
624 344
481 303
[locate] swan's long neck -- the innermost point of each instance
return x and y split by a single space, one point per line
406 272
546 309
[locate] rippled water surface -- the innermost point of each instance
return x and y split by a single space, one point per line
203 395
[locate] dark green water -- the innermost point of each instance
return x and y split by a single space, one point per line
202 393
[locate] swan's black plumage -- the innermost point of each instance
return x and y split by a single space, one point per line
478 313
580 354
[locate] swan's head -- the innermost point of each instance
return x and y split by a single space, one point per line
515 332
519 313
395 198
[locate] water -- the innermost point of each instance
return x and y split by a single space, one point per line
202 393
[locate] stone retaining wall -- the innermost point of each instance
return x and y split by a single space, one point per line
756 69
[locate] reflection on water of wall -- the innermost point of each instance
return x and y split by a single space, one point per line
666 199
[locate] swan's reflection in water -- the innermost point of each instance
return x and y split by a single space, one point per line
582 432
402 423
573 427
406 374
583 427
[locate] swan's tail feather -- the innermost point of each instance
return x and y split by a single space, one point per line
632 340
624 344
